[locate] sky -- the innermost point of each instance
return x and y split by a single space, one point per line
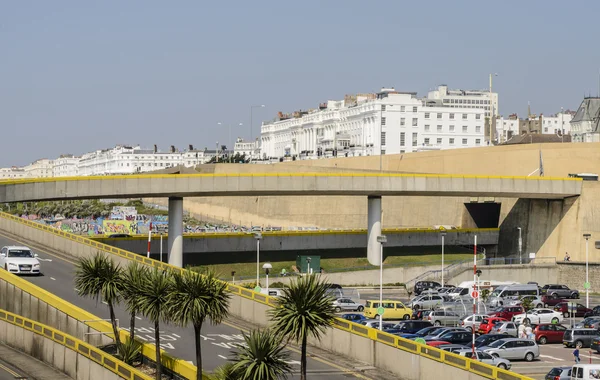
80 76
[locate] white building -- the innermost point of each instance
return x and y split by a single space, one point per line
66 165
585 125
507 128
127 160
557 124
12 173
371 124
41 168
250 149
478 99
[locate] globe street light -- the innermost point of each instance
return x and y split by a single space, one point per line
443 236
267 267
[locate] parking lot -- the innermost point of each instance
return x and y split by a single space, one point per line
551 355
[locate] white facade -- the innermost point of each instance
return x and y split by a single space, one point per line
386 123
477 99
41 168
12 173
126 160
585 125
554 125
507 128
65 166
251 149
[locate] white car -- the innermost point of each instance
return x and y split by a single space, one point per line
486 358
19 260
537 316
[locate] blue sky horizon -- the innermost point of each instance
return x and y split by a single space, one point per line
77 77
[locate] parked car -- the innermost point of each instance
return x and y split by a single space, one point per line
19 260
452 347
566 310
507 312
559 373
591 323
537 316
445 289
550 301
467 321
484 357
441 332
423 332
485 340
419 314
421 286
443 318
437 343
549 333
353 317
595 345
559 291
347 304
506 328
374 323
408 327
392 310
426 301
514 349
536 301
488 323
595 312
579 337
454 337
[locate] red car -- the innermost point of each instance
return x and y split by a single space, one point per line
549 301
435 343
507 312
549 333
563 308
488 323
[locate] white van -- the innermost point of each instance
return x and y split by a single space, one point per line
585 371
502 293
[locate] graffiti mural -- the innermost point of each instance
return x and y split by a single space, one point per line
120 227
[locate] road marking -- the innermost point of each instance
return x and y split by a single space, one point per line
40 259
104 302
176 335
52 278
138 318
38 245
13 373
552 357
223 357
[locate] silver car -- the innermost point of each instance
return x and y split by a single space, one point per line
442 318
536 301
508 328
513 349
484 357
426 301
374 323
559 373
467 321
346 304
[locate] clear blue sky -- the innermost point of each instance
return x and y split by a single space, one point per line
78 76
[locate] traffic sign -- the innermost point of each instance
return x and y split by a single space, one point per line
380 310
586 285
257 289
420 340
474 294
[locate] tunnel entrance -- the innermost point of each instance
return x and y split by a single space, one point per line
484 215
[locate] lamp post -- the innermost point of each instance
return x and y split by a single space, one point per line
520 246
258 237
267 267
381 239
308 260
443 237
251 109
233 277
587 278
217 152
491 107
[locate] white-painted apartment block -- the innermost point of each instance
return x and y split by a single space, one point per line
41 168
250 149
12 173
557 124
507 128
477 99
65 166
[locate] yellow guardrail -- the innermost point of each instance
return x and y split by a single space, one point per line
241 175
107 361
373 334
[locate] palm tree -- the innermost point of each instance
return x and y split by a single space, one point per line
153 298
304 309
224 372
196 298
133 279
99 277
262 358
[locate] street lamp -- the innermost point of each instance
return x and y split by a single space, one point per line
233 277
252 108
308 260
587 278
443 236
258 237
267 267
381 240
491 107
520 246
217 152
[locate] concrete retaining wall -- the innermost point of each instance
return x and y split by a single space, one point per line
540 273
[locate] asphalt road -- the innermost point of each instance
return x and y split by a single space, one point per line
8 372
218 340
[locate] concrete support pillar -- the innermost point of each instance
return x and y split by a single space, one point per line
374 229
175 242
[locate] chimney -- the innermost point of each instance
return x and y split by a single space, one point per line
155 148
172 148
190 147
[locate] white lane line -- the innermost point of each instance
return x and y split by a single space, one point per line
52 278
104 302
138 318
552 357
40 259
176 335
223 357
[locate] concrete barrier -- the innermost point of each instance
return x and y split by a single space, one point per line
66 353
402 357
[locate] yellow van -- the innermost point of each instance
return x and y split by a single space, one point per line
391 310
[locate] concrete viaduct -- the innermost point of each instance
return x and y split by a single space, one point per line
372 185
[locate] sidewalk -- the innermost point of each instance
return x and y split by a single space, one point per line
34 369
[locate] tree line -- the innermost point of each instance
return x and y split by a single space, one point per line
189 298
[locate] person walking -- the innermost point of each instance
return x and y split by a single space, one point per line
522 331
567 257
529 332
576 355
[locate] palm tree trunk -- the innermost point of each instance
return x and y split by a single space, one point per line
113 321
157 344
132 326
197 329
303 359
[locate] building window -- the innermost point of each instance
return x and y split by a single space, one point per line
414 109
439 141
383 151
426 127
545 129
383 121
464 141
382 138
414 139
477 141
439 128
465 129
452 128
439 115
426 141
426 115
402 138
402 108
402 121
451 141
464 116
414 121
451 116
478 116
383 107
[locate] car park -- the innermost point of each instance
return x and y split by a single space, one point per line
454 337
346 304
579 337
514 349
486 358
506 328
442 318
488 324
472 321
374 323
595 312
549 333
19 260
537 316
550 301
592 323
408 327
507 312
353 317
536 301
438 333
392 310
437 343
452 347
559 291
423 332
567 310
484 340
559 373
421 286
426 301
505 293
